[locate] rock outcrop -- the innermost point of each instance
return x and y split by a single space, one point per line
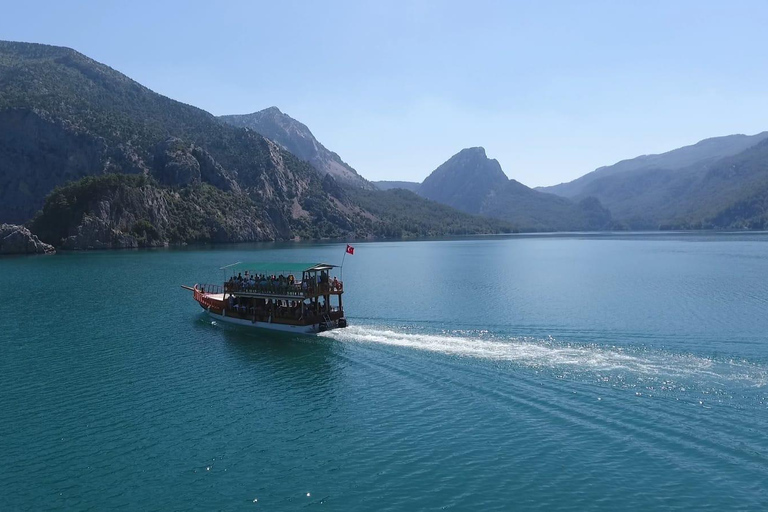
39 152
178 163
123 211
19 240
96 233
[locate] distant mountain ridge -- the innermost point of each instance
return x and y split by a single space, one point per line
698 186
701 153
472 182
110 163
405 185
296 138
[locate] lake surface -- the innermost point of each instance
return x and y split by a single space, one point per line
526 372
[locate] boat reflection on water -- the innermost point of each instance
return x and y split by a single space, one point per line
276 356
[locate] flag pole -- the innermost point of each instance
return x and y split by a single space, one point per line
342 265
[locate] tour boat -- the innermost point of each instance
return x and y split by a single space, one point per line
271 296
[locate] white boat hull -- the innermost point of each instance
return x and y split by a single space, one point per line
296 329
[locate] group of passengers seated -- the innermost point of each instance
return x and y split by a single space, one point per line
280 284
262 283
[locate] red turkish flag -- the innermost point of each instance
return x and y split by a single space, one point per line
350 249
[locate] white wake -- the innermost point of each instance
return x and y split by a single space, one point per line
541 353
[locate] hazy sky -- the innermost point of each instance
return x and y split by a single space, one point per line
550 89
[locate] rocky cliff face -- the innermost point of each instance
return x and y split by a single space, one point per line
298 139
19 240
119 211
39 151
178 163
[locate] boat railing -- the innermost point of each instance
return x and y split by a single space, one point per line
296 289
269 287
202 294
211 289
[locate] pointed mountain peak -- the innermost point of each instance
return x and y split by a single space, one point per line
465 180
478 151
271 110
473 160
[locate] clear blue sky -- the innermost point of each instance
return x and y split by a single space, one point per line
550 89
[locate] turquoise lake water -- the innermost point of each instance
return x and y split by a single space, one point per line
606 372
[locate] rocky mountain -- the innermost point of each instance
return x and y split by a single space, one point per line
123 166
298 139
106 162
471 182
700 154
464 181
19 240
405 185
64 116
730 193
688 187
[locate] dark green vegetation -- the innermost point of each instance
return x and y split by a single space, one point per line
153 170
546 212
406 214
718 183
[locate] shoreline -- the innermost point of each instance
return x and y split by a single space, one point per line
596 235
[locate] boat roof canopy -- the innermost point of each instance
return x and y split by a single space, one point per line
260 267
